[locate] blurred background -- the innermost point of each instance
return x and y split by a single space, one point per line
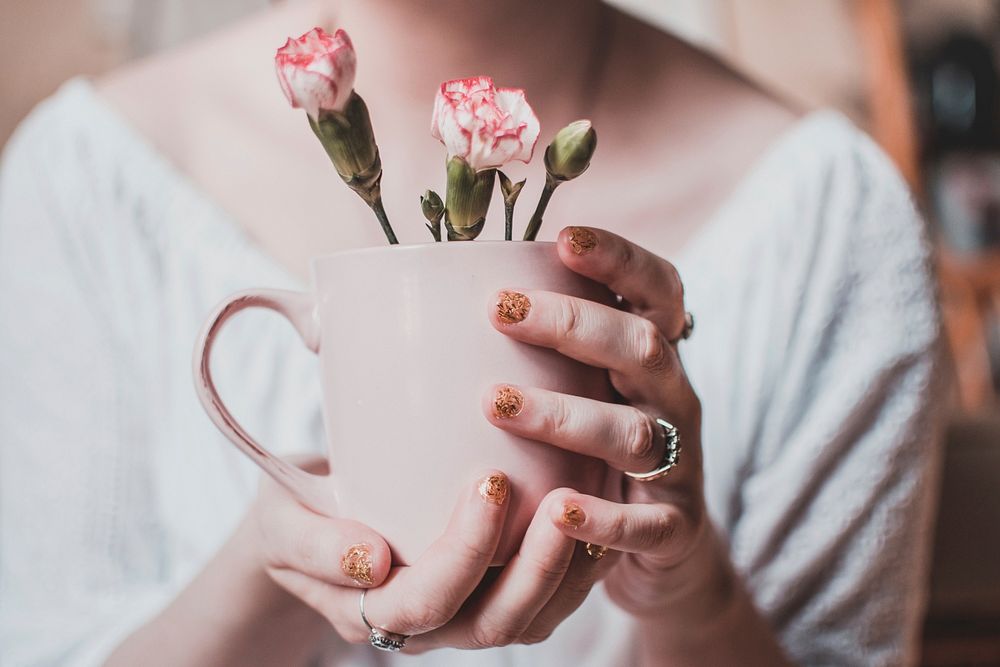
921 76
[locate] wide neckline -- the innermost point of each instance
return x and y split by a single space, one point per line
226 225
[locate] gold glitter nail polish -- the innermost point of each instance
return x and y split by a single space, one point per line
357 563
596 551
582 240
494 489
508 402
512 307
573 515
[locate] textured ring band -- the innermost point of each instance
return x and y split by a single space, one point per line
379 638
671 455
595 551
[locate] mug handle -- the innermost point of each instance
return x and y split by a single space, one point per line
299 309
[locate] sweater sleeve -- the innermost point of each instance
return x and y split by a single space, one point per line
77 572
834 383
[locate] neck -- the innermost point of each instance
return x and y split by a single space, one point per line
548 48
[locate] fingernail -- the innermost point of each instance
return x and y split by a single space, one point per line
357 564
582 240
573 515
596 551
508 402
494 488
512 307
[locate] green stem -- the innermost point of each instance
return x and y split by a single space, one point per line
508 211
383 220
536 218
435 229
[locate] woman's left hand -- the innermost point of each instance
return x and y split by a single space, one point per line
655 531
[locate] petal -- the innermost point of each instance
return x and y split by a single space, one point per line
317 70
468 86
513 101
312 91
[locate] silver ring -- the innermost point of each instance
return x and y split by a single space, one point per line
671 455
379 638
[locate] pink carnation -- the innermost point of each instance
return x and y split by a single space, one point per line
485 126
316 71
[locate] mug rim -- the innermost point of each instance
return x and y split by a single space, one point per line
413 247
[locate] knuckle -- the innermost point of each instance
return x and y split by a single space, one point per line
568 322
350 633
305 547
272 558
619 528
557 420
494 634
577 586
546 574
421 617
652 349
536 636
628 259
675 282
472 552
640 441
658 532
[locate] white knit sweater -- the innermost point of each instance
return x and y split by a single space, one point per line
815 357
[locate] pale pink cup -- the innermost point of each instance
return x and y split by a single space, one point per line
406 354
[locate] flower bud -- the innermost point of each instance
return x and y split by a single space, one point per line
510 189
316 71
569 154
433 209
467 199
432 206
349 140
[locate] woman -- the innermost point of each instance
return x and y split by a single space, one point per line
794 528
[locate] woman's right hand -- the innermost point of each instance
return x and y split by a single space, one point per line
325 562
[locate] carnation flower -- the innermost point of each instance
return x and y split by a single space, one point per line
484 126
316 71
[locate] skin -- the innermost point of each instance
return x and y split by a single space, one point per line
657 174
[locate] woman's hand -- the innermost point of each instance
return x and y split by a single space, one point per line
663 563
449 597
649 541
656 525
445 598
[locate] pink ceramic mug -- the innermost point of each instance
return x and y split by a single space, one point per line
406 354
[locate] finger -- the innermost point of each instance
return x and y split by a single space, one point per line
662 531
428 594
501 615
644 365
648 282
623 436
336 551
590 563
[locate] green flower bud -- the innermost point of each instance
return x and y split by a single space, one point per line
433 209
510 189
570 152
467 199
432 206
349 140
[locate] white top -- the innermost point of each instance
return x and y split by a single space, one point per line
815 357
